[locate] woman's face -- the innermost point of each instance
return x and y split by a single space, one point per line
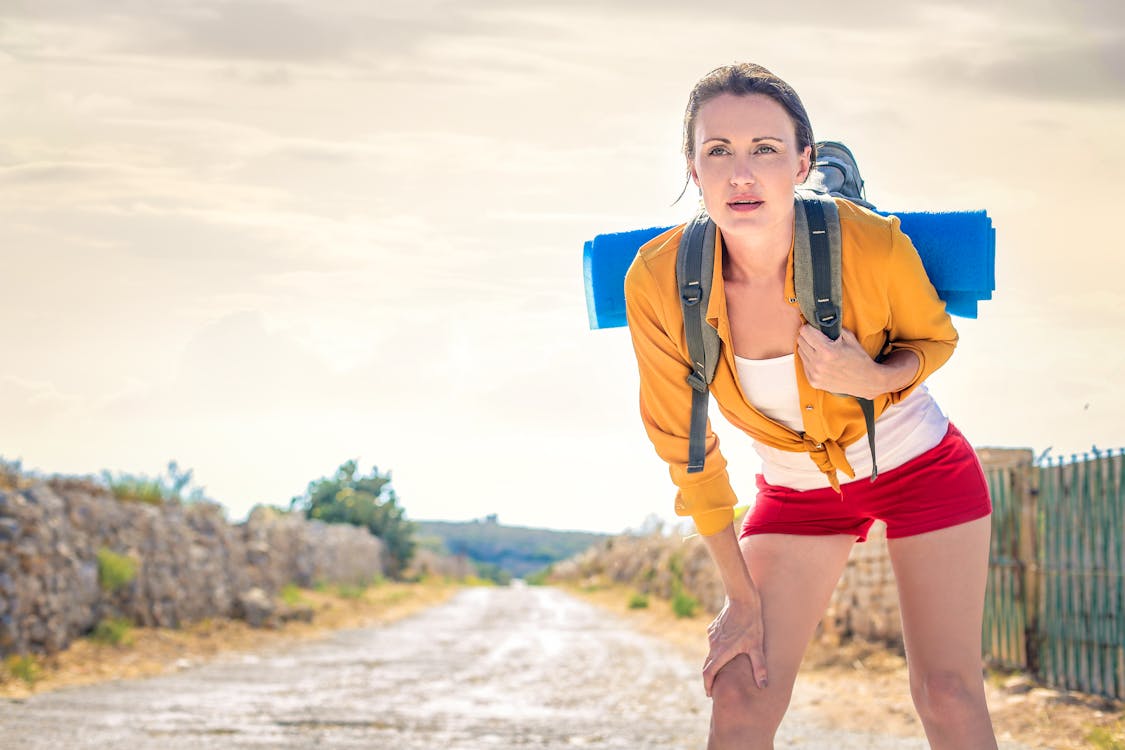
747 163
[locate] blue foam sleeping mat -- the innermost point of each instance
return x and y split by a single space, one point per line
958 249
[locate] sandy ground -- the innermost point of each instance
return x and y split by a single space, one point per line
429 667
858 685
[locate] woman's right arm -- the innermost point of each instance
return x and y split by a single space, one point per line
656 327
738 629
665 401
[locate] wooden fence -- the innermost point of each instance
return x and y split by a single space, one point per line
1056 592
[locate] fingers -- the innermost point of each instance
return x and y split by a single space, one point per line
758 660
835 366
812 338
711 668
751 644
716 664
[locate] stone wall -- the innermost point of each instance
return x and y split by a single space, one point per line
190 562
651 564
865 603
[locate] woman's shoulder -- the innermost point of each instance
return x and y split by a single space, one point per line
865 232
655 262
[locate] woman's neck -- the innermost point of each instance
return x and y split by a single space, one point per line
759 257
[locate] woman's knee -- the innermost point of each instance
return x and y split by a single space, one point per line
947 695
739 705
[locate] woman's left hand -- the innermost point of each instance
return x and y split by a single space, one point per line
840 366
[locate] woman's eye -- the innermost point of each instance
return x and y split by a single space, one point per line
772 150
717 151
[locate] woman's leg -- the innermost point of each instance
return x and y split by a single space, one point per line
941 578
795 577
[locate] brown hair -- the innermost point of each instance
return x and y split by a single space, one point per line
743 79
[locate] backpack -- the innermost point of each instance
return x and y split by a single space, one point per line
816 276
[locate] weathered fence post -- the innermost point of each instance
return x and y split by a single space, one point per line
1026 489
1010 608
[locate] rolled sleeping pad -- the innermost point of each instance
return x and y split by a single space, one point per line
957 248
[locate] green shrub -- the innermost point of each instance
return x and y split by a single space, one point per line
23 667
173 487
350 591
638 601
676 566
368 501
136 489
540 577
291 594
113 631
114 570
684 604
1105 738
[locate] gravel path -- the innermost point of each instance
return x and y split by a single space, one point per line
493 668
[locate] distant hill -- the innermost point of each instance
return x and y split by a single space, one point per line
514 550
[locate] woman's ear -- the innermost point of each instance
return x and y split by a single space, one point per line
805 165
692 173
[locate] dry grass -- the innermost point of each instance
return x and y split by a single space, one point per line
159 650
864 686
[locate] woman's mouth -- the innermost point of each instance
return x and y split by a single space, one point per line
744 205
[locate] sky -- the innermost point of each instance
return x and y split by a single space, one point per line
264 238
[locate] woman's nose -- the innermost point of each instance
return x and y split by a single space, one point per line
743 173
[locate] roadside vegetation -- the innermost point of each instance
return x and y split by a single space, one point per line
174 486
118 650
362 500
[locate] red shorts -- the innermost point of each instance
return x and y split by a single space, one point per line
943 487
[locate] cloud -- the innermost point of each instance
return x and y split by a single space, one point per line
304 33
1061 69
26 402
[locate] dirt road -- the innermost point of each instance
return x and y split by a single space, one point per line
493 668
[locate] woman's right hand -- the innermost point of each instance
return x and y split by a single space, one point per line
737 630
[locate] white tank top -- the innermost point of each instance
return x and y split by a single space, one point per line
904 431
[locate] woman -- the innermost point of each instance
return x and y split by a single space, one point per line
748 144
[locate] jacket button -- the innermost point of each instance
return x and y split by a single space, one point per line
808 407
820 446
792 300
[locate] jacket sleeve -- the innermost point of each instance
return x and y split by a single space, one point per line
665 401
918 320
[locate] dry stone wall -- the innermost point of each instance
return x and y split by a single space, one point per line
865 603
190 562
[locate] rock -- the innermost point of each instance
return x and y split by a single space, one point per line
256 607
7 631
9 530
291 613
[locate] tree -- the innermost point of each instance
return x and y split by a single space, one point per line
367 501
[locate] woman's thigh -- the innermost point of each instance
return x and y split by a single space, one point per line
795 576
941 577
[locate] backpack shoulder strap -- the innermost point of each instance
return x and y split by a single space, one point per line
695 265
817 249
816 260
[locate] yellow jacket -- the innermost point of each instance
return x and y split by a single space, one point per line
888 302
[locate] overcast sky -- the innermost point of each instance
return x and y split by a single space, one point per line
261 238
